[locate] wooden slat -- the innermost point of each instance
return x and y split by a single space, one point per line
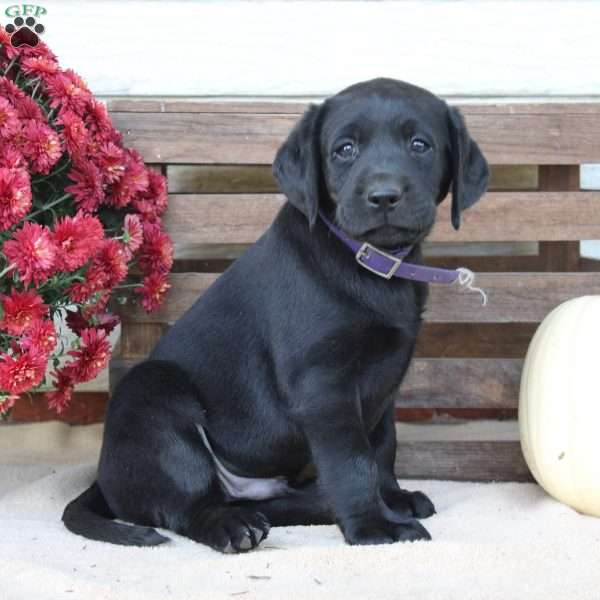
559 256
515 263
220 218
512 297
432 458
513 177
258 179
90 407
207 138
208 252
138 339
440 383
447 415
84 408
559 138
204 105
449 340
559 177
461 383
499 216
461 461
523 216
508 134
474 340
297 106
221 179
185 288
528 263
589 264
524 254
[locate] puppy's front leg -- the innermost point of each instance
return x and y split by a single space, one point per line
402 502
347 471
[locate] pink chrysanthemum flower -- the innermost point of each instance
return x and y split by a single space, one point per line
13 93
21 311
112 259
53 130
111 161
42 335
91 357
59 399
99 124
33 252
15 194
156 253
133 181
37 66
87 187
7 401
77 321
74 133
67 91
42 146
154 287
77 240
9 121
152 203
11 158
30 109
22 371
133 233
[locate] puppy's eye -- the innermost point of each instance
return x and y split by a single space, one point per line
419 145
346 151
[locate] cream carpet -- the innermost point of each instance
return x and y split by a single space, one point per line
499 540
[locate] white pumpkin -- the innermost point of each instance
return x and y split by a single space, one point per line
559 404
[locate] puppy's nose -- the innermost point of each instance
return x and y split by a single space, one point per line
386 199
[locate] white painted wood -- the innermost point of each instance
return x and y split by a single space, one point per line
528 47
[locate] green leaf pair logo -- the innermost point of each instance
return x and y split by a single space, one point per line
25 29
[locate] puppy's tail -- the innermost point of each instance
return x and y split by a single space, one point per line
90 516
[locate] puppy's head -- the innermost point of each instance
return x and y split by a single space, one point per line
379 157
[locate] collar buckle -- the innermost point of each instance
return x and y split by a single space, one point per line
367 252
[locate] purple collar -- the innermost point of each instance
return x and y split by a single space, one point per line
391 264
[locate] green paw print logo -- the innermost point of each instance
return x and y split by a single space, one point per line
24 32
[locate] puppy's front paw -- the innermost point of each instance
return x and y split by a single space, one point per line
382 531
410 504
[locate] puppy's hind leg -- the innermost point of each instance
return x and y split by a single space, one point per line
304 505
155 469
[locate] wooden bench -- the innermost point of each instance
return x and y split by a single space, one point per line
217 155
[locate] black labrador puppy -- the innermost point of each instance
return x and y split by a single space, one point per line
270 402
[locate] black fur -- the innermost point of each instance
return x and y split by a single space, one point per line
293 356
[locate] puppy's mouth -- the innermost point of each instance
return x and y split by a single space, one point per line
383 232
391 230
390 236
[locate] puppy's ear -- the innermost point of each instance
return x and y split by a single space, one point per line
470 171
296 165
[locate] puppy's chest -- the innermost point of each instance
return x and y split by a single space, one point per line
382 350
383 359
